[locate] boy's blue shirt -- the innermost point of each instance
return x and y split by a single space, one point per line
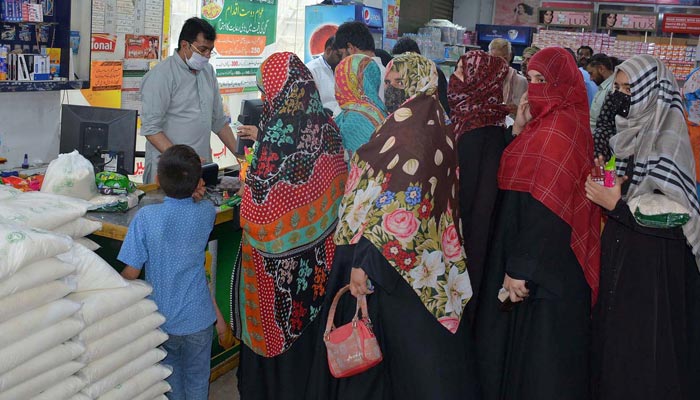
169 239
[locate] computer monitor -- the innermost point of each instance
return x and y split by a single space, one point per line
251 113
105 136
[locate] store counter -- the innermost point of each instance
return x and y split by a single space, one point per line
223 249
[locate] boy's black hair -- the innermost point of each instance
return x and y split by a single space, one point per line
405 45
179 171
355 33
601 59
193 27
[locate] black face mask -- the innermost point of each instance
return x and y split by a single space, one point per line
393 98
622 102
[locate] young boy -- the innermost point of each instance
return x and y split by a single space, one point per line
169 239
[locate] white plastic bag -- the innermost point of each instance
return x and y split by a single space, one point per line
78 228
72 175
92 273
98 369
27 300
37 384
139 383
45 361
119 320
62 390
122 337
125 372
89 244
99 304
42 210
35 320
8 192
20 246
31 346
154 391
35 274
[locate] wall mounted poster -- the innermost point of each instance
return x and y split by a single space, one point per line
612 20
246 31
515 12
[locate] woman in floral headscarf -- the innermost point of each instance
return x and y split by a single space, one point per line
475 93
398 231
545 256
357 81
288 215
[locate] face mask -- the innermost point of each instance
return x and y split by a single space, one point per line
622 102
197 62
393 98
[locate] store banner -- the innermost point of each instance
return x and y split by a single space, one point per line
681 23
245 30
566 18
612 20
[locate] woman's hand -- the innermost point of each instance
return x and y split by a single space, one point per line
523 116
606 197
358 283
249 132
516 289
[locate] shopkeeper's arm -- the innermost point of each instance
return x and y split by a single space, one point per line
219 122
160 141
156 91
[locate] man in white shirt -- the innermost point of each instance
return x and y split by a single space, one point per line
355 38
322 68
600 67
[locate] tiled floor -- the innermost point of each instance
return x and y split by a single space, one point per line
225 388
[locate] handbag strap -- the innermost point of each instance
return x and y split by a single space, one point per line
361 306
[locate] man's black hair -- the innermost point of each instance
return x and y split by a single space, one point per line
193 27
179 171
405 45
615 61
584 48
601 59
355 33
329 43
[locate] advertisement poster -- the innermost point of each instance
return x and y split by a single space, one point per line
106 75
103 43
246 29
515 12
681 23
627 22
567 18
141 47
391 22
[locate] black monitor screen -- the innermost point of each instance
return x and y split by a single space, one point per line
94 131
251 113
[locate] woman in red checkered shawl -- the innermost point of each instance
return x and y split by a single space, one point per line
546 251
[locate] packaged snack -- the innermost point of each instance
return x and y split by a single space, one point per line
609 173
111 183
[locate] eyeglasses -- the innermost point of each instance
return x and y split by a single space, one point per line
203 50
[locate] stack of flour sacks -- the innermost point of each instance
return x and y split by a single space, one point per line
70 326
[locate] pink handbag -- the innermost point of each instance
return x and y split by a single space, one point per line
352 348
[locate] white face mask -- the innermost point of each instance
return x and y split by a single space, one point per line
197 62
